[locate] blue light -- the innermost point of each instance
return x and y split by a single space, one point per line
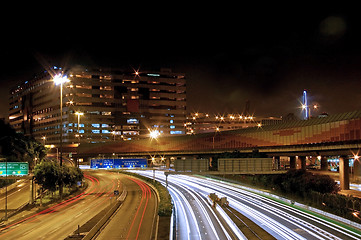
305 107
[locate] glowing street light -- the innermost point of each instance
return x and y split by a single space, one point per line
154 134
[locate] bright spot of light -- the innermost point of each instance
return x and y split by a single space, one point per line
154 134
60 79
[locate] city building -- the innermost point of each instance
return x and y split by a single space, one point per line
203 122
100 105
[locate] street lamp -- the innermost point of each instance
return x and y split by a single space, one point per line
154 134
60 79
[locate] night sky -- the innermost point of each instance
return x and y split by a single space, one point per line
229 54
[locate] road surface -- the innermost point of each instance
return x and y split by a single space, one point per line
60 220
280 220
195 219
16 197
135 219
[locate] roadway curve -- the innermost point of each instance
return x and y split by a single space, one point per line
60 220
280 220
135 219
195 219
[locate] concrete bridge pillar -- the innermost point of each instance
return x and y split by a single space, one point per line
276 162
303 162
324 164
344 173
357 170
293 162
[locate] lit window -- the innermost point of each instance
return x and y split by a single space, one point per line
172 126
95 131
132 121
96 125
176 132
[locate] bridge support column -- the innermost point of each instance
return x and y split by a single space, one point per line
276 162
302 161
167 163
293 162
324 164
344 173
356 170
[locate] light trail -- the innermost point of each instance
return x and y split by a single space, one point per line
94 191
280 220
146 194
199 210
316 227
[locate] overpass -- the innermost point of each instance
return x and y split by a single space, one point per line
337 135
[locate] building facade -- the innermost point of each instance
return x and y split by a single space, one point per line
113 104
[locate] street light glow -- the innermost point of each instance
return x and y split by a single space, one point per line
154 134
60 79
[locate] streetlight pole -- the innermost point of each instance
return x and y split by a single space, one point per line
59 79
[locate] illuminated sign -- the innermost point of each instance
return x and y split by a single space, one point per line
14 168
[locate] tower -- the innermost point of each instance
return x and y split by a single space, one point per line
305 107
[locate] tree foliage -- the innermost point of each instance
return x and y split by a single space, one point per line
19 148
50 175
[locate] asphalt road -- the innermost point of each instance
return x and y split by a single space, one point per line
280 220
195 219
16 197
60 220
135 219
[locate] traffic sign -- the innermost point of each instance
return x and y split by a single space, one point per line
14 168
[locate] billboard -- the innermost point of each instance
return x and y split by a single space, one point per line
14 169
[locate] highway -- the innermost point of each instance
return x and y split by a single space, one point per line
135 219
16 198
60 220
281 221
195 218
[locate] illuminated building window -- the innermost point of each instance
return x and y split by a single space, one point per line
176 132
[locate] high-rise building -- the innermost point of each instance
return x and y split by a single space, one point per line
115 105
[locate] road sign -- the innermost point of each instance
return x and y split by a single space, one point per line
14 169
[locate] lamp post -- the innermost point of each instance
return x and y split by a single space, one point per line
60 79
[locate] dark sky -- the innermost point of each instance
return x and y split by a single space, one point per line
229 54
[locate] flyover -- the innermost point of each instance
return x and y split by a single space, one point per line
338 135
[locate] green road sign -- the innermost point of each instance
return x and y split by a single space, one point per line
14 169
